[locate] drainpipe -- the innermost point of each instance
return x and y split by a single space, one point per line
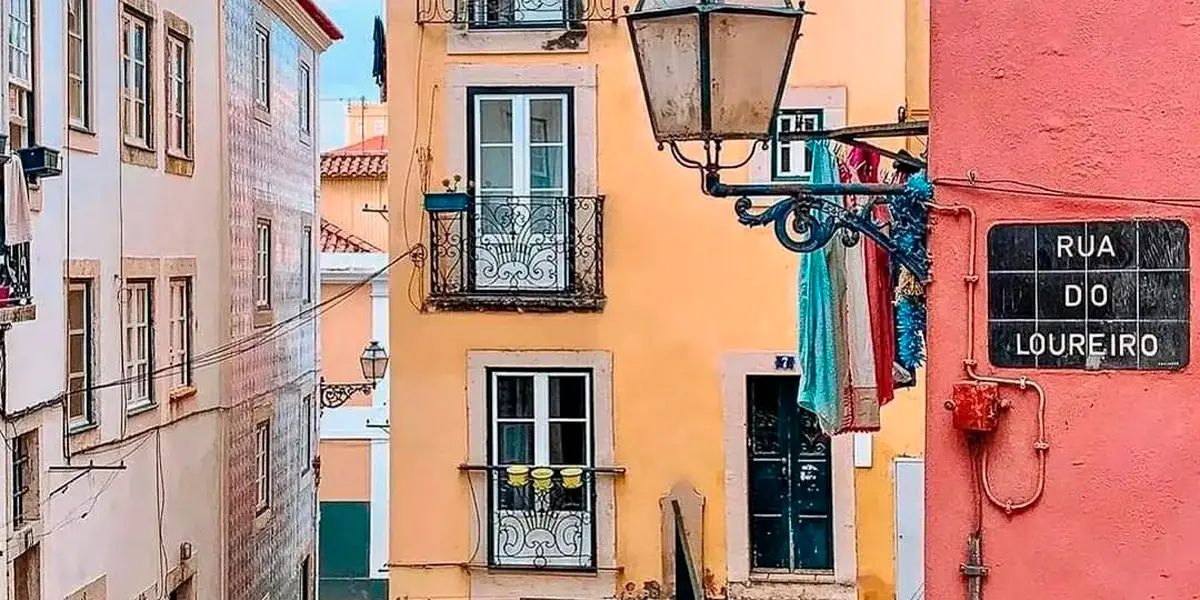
974 570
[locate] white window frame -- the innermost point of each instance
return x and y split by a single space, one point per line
262 67
306 416
262 465
518 197
305 99
794 119
262 265
138 329
181 319
79 73
541 446
22 67
137 103
84 288
179 96
306 262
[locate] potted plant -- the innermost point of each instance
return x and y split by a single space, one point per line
448 200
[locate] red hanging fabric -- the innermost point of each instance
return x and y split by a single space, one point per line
879 285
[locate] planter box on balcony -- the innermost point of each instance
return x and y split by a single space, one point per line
436 202
40 162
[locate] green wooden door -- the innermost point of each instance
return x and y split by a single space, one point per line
791 499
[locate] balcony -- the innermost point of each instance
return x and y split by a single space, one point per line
516 14
528 253
16 298
542 518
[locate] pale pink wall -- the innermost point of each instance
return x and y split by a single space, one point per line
1082 94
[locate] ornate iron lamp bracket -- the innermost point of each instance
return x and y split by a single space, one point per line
810 215
334 395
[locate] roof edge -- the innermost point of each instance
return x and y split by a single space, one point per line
321 19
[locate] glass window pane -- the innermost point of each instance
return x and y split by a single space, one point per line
76 353
515 444
495 168
545 168
514 397
75 307
495 121
568 398
568 443
546 120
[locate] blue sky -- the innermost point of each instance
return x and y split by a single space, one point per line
346 66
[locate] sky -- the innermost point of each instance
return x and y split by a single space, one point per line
346 66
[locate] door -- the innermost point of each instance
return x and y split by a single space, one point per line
910 528
791 498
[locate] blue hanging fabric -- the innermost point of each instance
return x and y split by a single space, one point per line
821 321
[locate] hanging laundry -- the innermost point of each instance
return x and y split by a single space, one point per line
821 321
18 225
379 66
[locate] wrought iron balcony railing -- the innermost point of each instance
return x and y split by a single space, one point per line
542 517
15 276
519 252
516 14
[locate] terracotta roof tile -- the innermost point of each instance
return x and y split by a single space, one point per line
336 239
365 159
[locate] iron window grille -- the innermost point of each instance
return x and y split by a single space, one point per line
516 14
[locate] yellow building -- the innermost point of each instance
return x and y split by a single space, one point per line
591 309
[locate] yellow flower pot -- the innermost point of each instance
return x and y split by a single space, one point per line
541 478
518 476
572 478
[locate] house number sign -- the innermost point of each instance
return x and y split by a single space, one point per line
1094 295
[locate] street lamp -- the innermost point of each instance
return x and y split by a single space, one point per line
374 363
713 72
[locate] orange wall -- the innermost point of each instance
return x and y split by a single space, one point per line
345 471
685 285
342 202
345 331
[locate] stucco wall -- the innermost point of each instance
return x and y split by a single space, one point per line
1083 95
685 284
342 202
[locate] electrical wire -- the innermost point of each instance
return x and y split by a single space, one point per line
1025 188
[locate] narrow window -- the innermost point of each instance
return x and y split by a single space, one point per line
181 332
306 262
305 99
25 493
790 491
306 414
262 461
80 353
306 578
262 266
22 75
542 420
179 96
262 68
138 345
135 52
79 68
791 160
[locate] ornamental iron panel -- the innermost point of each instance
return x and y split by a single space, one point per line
542 518
519 252
516 14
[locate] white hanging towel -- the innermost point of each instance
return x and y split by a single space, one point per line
861 412
18 226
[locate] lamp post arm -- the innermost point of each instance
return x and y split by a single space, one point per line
334 395
714 187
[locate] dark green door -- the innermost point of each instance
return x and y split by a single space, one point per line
791 499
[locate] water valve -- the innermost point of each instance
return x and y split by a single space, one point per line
975 406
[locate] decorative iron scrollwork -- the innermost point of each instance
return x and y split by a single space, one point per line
515 14
542 518
334 395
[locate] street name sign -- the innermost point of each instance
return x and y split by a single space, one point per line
1094 295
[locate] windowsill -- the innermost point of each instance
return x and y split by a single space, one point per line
81 139
180 165
139 409
264 317
82 428
818 577
517 301
136 154
17 314
182 393
516 41
262 518
262 114
306 138
579 572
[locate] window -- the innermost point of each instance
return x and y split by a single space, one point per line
135 53
22 74
262 68
306 578
80 353
27 574
181 332
542 420
25 501
790 484
306 262
138 345
79 57
791 160
306 415
305 99
179 96
262 266
262 461
521 161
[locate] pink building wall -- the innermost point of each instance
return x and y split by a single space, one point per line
1095 95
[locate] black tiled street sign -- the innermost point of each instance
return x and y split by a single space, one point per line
1096 295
